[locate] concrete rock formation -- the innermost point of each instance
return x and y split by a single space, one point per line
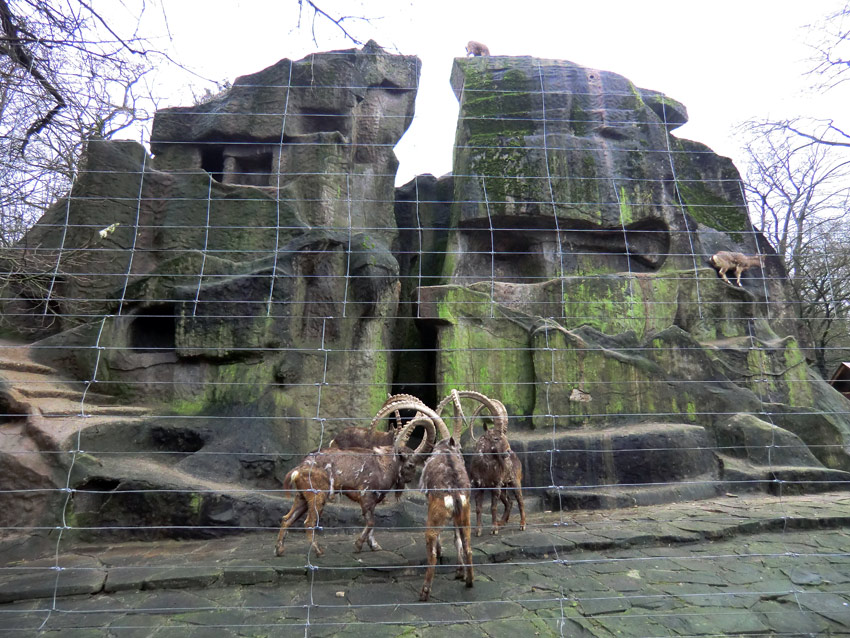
575 286
266 286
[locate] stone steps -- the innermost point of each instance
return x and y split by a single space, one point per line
619 496
25 367
59 406
50 393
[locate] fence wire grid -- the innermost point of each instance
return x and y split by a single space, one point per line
186 327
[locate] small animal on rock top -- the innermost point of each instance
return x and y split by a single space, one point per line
724 261
476 48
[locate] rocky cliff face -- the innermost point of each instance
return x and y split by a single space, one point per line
261 291
576 288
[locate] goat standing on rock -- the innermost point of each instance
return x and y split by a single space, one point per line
476 48
736 262
365 475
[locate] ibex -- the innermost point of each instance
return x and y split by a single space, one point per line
476 48
365 475
446 484
736 262
494 467
371 437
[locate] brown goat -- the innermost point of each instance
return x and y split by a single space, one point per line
364 475
446 484
494 467
724 261
354 436
476 48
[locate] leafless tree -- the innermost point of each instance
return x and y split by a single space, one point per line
799 194
315 13
832 49
798 186
830 69
66 76
823 286
69 73
793 187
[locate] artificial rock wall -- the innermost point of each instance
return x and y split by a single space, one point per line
264 285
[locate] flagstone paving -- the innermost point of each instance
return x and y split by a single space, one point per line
746 566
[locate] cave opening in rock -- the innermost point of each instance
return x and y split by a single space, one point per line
152 329
212 161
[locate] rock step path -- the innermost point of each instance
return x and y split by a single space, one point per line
50 393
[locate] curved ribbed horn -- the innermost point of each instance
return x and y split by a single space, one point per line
496 408
427 441
407 404
501 420
393 398
474 416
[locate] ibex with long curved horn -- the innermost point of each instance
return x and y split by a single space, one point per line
446 484
493 467
365 475
355 436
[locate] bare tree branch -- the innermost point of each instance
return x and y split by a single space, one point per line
832 50
318 11
16 52
798 194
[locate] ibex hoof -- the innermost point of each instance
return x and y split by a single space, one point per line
278 550
319 551
374 546
424 595
522 527
478 532
495 531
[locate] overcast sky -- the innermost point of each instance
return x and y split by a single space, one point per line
726 60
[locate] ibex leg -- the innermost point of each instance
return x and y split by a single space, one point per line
368 510
315 510
437 516
495 498
479 498
299 506
465 556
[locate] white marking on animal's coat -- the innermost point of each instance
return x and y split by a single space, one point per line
449 501
295 475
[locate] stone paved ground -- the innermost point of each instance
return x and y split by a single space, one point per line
749 566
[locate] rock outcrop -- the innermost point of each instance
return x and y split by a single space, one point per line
258 283
575 286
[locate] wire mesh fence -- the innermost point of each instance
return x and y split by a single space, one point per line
189 334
